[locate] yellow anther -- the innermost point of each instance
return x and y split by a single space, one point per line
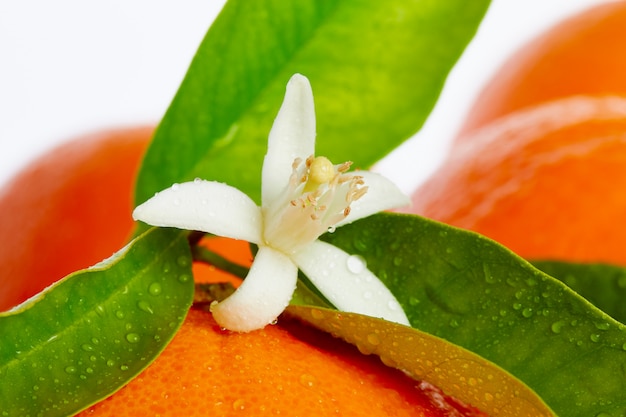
321 171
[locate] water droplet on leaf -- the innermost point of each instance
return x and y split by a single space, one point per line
145 307
132 337
155 289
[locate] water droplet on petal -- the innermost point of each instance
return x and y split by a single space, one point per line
393 305
175 187
356 264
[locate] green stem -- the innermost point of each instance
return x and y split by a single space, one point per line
204 255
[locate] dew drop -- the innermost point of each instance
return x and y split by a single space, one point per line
368 295
397 261
132 337
603 414
145 307
100 311
332 229
183 261
489 278
197 180
454 323
119 314
557 326
89 370
317 314
360 245
373 339
71 369
155 289
239 404
602 326
356 264
393 305
124 368
413 301
594 337
110 362
184 278
527 312
307 380
87 347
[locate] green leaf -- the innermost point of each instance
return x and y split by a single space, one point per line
602 284
89 334
376 67
456 371
475 293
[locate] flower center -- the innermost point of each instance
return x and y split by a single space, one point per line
316 198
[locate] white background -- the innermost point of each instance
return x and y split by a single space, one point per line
68 67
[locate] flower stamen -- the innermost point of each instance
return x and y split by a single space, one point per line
319 195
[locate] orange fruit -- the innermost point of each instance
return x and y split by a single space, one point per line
581 55
72 207
547 182
287 369
67 210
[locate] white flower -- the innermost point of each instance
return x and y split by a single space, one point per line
303 197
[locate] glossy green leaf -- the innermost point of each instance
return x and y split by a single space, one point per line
376 67
602 284
475 293
456 371
86 336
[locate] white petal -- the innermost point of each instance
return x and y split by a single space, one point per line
347 283
207 206
292 136
382 194
264 294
